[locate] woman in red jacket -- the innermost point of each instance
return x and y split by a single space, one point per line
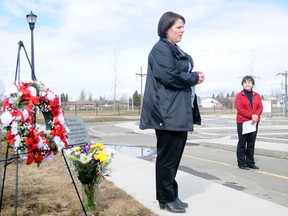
249 108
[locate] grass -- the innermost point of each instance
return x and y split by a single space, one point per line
48 190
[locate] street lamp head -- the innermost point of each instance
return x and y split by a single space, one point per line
31 18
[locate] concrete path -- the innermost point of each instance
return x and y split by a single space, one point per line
205 198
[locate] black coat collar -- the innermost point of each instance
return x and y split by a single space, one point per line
175 49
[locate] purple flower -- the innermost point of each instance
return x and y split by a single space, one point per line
86 148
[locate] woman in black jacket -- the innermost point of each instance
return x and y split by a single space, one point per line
167 106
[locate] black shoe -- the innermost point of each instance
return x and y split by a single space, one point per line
172 207
244 167
183 204
253 166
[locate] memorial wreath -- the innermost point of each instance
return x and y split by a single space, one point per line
30 140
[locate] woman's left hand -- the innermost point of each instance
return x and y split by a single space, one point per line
255 118
201 77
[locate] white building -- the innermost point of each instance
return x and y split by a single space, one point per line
210 103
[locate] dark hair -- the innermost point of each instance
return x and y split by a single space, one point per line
245 78
166 21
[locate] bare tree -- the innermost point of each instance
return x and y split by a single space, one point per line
117 69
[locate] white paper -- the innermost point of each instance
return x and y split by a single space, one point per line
248 127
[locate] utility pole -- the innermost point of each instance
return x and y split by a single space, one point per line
286 96
141 76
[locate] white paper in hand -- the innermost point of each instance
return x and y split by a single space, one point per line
248 127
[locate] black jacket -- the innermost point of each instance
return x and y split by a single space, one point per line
167 96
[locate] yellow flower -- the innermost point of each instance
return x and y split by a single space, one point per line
97 145
78 149
101 156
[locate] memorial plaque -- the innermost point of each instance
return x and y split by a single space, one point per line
77 130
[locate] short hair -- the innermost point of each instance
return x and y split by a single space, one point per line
166 21
245 78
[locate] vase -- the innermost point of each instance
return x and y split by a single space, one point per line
90 196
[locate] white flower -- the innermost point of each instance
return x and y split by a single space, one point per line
57 140
25 114
6 118
14 128
77 153
85 158
32 90
13 100
17 142
67 129
61 119
68 151
18 117
43 93
60 145
50 95
10 91
41 143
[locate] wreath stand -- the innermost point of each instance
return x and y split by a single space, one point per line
9 160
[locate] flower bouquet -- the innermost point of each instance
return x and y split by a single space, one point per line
91 165
28 139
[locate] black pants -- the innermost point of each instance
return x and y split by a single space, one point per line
245 147
170 147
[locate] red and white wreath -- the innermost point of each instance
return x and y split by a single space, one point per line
32 141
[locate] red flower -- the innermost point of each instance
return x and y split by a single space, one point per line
5 104
38 157
54 107
10 138
32 140
45 139
59 130
30 158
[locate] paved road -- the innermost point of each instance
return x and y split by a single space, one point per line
213 163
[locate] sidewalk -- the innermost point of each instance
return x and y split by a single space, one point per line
205 198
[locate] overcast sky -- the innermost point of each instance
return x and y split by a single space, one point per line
80 44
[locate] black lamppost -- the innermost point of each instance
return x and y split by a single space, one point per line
31 18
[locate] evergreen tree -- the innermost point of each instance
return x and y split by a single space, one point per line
90 97
82 95
136 99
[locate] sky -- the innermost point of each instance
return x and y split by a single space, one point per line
95 45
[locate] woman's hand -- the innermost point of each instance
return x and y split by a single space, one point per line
255 118
201 77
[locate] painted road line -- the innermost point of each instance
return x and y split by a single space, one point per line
95 131
226 164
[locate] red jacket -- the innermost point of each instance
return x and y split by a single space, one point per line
244 109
